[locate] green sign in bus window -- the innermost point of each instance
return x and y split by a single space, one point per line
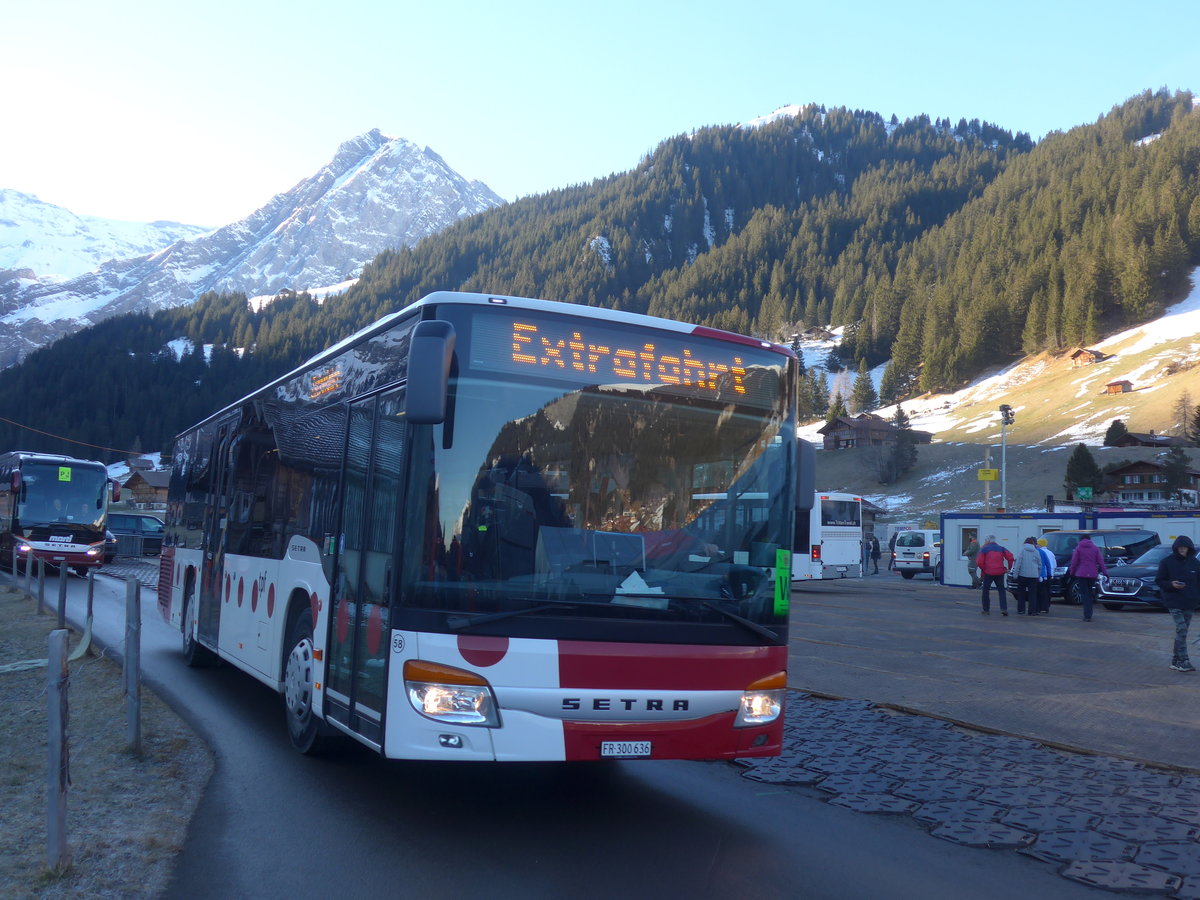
783 581
64 473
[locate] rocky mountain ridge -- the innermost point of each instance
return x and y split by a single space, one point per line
376 193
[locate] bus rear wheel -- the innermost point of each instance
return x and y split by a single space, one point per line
907 573
306 732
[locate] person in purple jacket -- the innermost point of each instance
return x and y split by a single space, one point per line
1087 564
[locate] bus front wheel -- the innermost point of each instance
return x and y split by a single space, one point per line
305 730
194 653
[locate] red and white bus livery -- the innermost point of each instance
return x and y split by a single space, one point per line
53 508
472 532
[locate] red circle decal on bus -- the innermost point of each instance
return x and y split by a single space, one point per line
315 605
482 650
228 589
254 595
270 601
241 584
374 630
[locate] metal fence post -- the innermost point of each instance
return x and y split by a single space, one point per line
62 596
133 652
91 592
29 573
57 854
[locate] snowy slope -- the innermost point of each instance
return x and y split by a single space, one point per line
55 244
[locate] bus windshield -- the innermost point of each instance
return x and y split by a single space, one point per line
53 493
612 491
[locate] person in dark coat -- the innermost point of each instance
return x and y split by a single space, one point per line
1179 580
1087 562
875 553
892 551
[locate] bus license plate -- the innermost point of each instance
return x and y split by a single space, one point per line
624 749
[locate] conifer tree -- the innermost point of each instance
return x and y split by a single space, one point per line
1082 471
1116 431
864 399
1193 431
837 408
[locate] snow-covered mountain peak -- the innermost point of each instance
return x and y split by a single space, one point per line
376 193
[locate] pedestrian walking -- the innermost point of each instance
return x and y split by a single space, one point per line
1049 565
866 553
1028 570
972 563
1178 579
994 562
892 551
1087 564
875 553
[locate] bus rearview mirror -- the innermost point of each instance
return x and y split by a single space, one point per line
429 359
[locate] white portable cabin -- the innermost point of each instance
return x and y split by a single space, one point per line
1169 524
1010 530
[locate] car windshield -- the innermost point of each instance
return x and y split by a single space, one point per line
1152 557
911 539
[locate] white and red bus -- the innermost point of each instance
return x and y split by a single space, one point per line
53 508
469 532
828 542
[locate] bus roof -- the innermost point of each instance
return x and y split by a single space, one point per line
473 299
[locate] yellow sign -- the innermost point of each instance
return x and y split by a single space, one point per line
989 474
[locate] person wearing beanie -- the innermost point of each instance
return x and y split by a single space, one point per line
1178 579
1028 571
1049 564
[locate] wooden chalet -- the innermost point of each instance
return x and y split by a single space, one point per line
1118 387
1143 439
1145 482
1085 357
147 487
864 430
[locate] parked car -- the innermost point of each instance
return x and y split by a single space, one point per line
1119 546
1133 585
137 533
919 552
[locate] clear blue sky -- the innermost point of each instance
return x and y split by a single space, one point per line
201 112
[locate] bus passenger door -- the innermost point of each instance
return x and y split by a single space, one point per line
208 611
355 692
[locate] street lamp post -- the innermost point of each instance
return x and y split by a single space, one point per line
1007 416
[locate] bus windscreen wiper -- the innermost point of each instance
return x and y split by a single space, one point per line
732 616
458 623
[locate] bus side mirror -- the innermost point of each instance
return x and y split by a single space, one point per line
16 481
806 475
116 489
429 358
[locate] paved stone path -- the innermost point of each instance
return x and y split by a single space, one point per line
1104 822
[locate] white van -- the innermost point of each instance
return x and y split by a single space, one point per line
919 551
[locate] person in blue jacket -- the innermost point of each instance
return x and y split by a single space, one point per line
1178 579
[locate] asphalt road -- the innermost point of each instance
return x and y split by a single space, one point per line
274 824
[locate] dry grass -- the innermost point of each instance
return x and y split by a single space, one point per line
127 815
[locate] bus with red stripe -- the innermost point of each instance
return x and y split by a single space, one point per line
53 508
501 528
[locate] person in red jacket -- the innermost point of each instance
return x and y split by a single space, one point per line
994 562
1087 562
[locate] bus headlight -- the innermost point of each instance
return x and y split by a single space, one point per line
446 694
762 701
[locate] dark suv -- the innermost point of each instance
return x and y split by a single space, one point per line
138 534
1119 546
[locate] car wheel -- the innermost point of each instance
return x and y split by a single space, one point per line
306 732
1074 592
906 573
